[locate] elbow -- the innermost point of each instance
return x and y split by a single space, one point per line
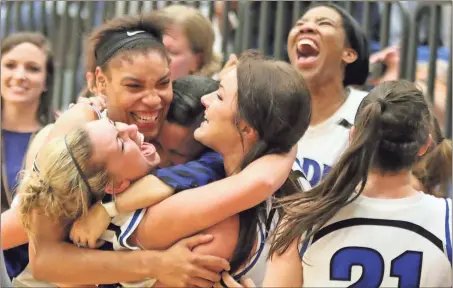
35 266
269 184
38 265
226 234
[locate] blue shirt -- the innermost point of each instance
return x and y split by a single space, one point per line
15 146
207 169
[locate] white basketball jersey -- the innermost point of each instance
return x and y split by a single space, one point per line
322 144
382 243
255 268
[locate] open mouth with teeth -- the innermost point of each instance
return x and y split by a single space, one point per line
307 51
144 118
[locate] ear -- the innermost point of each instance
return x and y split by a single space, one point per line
100 81
351 133
118 187
247 131
425 147
349 55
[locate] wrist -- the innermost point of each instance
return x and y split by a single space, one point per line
104 213
153 263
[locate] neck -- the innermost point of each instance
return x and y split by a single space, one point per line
389 186
234 157
20 118
326 99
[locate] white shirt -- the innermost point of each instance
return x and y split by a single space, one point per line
322 144
383 243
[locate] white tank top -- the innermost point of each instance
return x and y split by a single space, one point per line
383 243
255 269
322 144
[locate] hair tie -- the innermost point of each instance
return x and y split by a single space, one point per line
85 180
117 40
35 167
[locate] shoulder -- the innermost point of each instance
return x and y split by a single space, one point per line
36 144
352 103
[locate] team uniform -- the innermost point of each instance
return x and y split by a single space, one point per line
255 268
382 243
322 144
196 173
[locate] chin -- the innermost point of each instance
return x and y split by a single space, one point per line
201 137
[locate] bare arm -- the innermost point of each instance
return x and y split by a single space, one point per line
143 193
285 270
202 207
13 233
81 266
177 266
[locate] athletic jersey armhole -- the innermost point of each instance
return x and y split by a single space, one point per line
448 236
246 269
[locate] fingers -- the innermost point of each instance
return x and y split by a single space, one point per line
196 240
99 243
229 280
83 243
74 237
212 262
206 274
92 243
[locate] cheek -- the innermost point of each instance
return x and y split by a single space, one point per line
38 81
291 37
166 95
179 65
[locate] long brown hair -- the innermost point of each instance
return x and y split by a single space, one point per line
274 99
434 169
45 112
390 128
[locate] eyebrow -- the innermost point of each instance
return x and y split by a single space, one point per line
165 76
129 78
221 86
316 19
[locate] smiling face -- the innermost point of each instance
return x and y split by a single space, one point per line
23 74
176 145
219 131
121 150
317 45
138 89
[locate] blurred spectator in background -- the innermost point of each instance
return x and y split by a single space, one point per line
391 56
189 42
26 84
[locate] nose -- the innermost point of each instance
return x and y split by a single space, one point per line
206 100
307 27
152 99
19 73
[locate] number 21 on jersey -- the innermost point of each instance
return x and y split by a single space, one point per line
406 267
